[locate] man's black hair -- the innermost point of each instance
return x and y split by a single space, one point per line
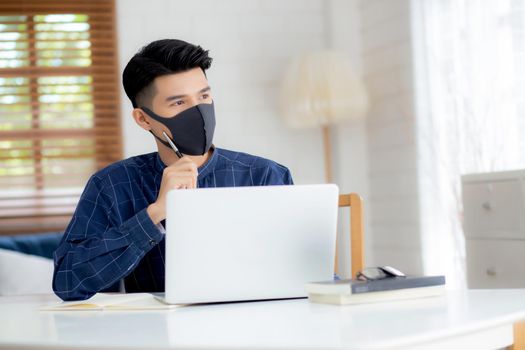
161 57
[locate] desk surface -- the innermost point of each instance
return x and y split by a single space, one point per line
483 316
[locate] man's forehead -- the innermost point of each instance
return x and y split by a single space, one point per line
187 82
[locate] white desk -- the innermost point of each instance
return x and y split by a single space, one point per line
475 319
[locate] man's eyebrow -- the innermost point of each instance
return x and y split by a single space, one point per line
176 97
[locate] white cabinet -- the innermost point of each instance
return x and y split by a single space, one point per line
494 225
495 263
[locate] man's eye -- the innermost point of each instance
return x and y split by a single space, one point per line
205 96
179 103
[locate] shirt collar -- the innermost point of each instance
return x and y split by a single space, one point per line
204 169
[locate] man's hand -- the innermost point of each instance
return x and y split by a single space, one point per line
180 175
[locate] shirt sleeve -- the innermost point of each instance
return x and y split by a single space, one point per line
94 254
278 175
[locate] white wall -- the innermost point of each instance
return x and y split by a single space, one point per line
251 43
350 138
388 70
376 157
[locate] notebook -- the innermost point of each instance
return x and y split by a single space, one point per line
111 302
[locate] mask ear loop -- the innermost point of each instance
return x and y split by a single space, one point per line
160 140
151 114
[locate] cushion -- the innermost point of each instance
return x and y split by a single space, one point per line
22 274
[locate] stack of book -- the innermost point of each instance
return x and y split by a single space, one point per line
351 291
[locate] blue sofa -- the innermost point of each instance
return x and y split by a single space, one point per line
26 265
42 244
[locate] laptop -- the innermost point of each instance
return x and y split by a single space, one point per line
248 243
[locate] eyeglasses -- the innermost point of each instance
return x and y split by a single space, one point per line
379 273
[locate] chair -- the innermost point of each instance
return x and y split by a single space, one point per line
355 203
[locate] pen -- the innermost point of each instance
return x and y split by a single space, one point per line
172 145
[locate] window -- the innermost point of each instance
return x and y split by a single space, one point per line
59 107
471 114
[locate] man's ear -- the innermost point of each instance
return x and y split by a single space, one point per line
141 119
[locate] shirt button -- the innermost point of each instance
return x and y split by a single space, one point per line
152 242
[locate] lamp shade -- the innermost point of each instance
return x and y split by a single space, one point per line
321 89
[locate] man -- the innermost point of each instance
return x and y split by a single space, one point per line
117 231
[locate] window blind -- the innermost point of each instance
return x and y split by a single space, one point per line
59 107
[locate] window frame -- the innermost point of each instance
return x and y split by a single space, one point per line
40 209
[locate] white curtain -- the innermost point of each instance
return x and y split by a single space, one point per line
470 96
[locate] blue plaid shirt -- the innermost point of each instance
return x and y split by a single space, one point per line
111 237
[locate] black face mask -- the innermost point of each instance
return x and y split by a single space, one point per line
192 130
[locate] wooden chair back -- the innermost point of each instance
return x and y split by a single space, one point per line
357 259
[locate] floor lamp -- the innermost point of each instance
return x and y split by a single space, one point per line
321 89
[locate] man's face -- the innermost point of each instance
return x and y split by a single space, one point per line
177 92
